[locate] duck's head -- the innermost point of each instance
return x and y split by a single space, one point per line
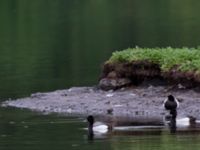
90 120
171 98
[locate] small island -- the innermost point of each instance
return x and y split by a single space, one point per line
132 87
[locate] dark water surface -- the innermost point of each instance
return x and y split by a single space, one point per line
54 44
22 130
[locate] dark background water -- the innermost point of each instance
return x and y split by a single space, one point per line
25 130
47 45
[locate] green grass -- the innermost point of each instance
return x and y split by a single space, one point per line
184 59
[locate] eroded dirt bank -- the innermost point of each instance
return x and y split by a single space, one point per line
118 75
144 103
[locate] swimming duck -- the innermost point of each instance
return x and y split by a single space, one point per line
96 127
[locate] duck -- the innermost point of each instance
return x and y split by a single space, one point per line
171 104
96 127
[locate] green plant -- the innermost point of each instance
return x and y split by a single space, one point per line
184 59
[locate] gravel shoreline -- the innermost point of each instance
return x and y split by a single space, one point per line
138 103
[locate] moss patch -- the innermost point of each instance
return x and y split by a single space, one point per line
184 58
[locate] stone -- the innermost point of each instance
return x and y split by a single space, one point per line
112 75
113 84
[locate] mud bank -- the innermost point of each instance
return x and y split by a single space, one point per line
139 103
118 75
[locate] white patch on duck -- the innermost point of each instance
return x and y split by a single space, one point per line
186 122
99 127
183 122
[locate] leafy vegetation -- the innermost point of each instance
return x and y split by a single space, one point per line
183 59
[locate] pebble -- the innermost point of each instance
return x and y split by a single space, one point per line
109 95
69 110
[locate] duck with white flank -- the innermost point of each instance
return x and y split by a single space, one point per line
96 127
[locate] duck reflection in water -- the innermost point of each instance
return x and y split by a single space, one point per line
172 125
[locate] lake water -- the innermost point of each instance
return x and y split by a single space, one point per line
22 130
47 45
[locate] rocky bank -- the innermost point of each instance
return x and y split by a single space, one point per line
142 104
